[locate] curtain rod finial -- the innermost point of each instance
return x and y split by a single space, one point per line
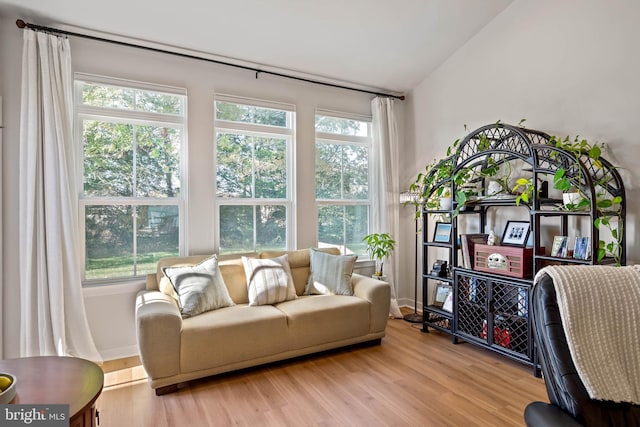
20 23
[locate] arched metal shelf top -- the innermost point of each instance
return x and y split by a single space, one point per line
499 138
537 158
506 142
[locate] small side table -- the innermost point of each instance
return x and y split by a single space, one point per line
58 380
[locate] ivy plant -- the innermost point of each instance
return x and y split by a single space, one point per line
607 206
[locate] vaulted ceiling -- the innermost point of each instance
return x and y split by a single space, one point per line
380 44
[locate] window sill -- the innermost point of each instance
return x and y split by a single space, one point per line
96 289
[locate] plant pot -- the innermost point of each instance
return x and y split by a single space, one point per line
445 203
383 277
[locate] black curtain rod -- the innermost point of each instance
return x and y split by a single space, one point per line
21 24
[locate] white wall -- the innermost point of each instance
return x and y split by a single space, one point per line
110 309
569 67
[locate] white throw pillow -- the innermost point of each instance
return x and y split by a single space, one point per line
330 274
199 288
268 280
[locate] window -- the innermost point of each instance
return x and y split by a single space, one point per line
253 149
131 205
343 188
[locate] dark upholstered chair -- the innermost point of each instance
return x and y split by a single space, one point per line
570 403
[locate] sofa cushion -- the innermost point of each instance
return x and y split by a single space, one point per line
299 262
319 319
177 261
199 287
330 274
268 280
166 288
233 273
230 335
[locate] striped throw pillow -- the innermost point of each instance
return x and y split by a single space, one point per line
330 274
199 288
269 280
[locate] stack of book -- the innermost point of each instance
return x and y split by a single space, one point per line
467 242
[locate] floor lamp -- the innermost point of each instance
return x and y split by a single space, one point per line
413 197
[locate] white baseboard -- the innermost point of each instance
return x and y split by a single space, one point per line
408 302
119 353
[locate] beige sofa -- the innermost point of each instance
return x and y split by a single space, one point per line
175 350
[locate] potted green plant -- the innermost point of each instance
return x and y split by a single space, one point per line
572 198
445 199
571 195
608 207
379 246
433 184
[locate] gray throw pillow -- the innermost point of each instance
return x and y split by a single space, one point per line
330 274
199 288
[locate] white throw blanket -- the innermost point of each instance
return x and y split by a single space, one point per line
600 311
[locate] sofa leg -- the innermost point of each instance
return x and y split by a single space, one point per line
370 343
166 389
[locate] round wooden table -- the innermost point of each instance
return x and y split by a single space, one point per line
58 380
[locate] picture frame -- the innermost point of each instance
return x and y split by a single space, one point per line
442 233
559 247
516 233
442 292
582 248
448 302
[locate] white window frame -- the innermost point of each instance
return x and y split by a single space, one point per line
139 118
339 139
287 133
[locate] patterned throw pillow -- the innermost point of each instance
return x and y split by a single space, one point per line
199 288
268 280
330 274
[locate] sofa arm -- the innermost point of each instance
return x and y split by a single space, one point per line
158 327
152 282
378 293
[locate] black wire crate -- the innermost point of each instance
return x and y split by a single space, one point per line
493 312
471 302
438 321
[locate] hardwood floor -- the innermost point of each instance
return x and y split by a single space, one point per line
412 379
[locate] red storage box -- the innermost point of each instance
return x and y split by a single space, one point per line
501 336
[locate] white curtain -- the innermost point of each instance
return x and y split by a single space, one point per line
53 319
385 216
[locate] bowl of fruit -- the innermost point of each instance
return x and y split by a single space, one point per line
7 388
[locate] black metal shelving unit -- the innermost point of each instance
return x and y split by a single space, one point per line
491 309
434 316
